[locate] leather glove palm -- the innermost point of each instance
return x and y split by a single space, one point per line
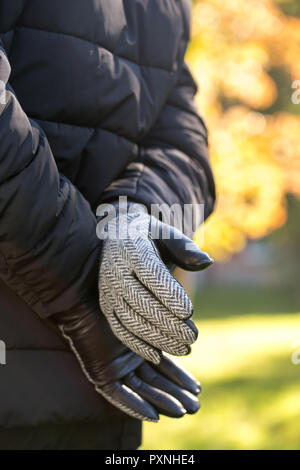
124 379
146 307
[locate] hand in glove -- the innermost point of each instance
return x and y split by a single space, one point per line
146 307
124 379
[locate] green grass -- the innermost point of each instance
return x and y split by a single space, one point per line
227 301
251 389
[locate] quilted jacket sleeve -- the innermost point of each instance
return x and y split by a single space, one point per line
48 243
173 165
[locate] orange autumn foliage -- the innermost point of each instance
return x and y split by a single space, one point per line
255 153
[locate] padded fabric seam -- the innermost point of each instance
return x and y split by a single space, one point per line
80 126
74 36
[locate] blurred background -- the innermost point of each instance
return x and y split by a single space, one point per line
245 57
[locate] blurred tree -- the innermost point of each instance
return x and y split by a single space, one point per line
244 55
287 241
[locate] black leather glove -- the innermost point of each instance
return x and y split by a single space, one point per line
123 378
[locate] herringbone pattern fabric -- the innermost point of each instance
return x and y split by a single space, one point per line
144 304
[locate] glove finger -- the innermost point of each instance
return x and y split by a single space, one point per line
162 401
180 249
141 328
153 273
143 301
134 343
146 304
126 337
153 377
125 399
178 374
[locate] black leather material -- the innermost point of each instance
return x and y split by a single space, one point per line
158 379
180 250
176 373
121 367
110 366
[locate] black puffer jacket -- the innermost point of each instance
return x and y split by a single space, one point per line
95 101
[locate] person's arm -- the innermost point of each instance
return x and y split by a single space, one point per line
48 243
172 168
173 164
49 255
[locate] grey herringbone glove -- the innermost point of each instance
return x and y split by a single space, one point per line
146 307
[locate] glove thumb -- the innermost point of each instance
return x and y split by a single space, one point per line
177 248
